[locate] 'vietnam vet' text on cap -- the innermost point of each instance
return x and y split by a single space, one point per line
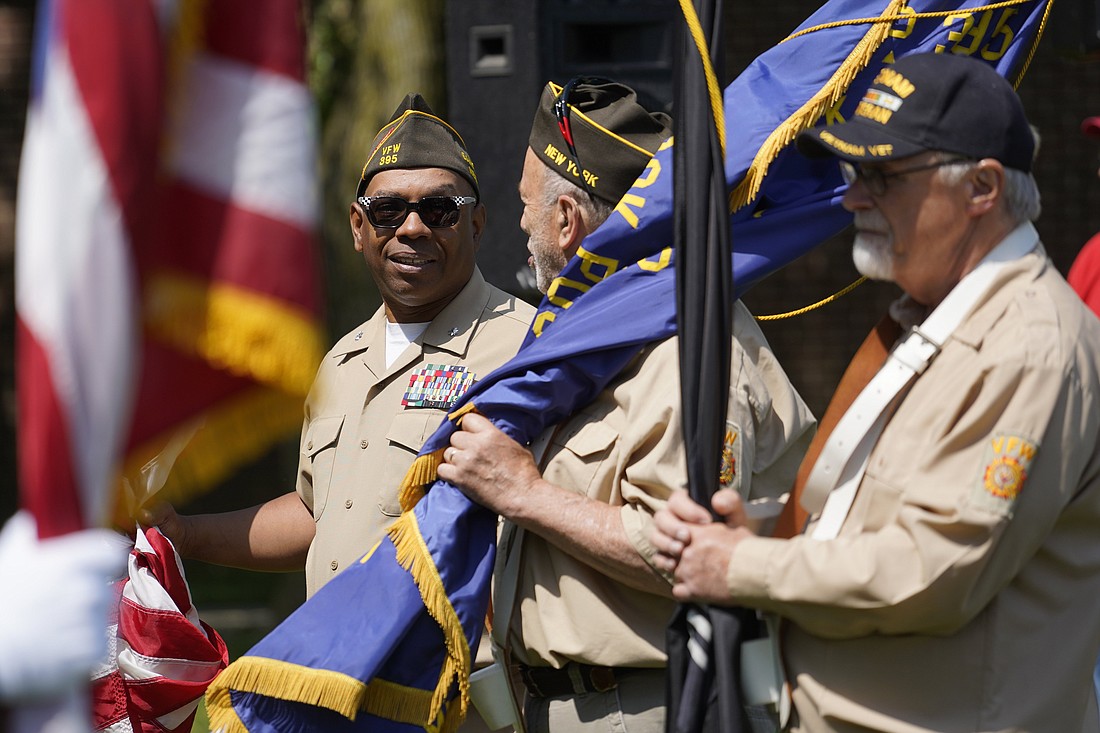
931 101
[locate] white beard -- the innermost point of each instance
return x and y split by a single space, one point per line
872 251
548 262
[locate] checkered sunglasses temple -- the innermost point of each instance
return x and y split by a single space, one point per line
390 212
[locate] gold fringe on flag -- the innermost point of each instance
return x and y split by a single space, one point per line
422 472
322 688
240 331
809 112
335 691
414 556
420 475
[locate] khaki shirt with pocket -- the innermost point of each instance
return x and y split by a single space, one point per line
626 448
358 439
963 590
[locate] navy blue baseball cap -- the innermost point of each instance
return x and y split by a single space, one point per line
931 101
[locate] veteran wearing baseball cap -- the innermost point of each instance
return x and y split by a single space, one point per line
590 610
952 549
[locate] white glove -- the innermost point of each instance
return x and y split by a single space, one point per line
54 597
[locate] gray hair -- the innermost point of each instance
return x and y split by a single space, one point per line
595 210
1021 192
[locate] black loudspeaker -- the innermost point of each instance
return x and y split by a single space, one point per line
501 53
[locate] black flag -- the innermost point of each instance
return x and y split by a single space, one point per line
703 642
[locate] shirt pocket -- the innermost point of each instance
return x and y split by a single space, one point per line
322 437
406 436
875 506
578 453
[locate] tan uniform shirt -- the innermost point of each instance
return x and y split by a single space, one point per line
963 590
626 449
358 439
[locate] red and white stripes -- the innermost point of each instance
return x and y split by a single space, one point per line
162 657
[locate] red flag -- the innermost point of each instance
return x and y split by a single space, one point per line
89 157
165 250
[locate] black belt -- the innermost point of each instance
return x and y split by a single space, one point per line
572 679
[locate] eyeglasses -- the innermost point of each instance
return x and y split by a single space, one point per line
561 112
438 212
876 179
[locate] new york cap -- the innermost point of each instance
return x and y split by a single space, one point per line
931 101
615 137
416 138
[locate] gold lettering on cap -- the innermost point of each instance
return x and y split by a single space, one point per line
554 154
881 150
895 81
559 159
845 147
872 112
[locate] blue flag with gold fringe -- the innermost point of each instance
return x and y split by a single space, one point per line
386 644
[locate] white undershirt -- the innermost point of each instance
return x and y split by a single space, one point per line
399 336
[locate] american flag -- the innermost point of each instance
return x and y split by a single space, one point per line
166 264
161 656
166 274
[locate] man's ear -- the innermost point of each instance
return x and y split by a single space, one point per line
355 215
986 186
572 229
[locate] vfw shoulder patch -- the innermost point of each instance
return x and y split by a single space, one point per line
1007 462
731 454
437 386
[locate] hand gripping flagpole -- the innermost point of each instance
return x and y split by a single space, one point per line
704 686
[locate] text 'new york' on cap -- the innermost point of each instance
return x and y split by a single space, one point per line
931 101
416 138
614 136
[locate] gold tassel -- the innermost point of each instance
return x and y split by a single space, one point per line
399 703
413 555
809 113
335 691
420 475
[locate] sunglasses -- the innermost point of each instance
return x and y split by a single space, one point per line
876 180
565 126
438 212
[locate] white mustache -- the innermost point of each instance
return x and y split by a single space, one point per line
872 220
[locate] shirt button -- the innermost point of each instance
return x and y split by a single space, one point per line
347 504
334 564
363 443
309 445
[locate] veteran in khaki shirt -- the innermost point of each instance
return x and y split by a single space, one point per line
365 421
626 449
577 601
959 589
417 220
962 592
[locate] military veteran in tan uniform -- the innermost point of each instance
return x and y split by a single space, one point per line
579 605
385 386
950 581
